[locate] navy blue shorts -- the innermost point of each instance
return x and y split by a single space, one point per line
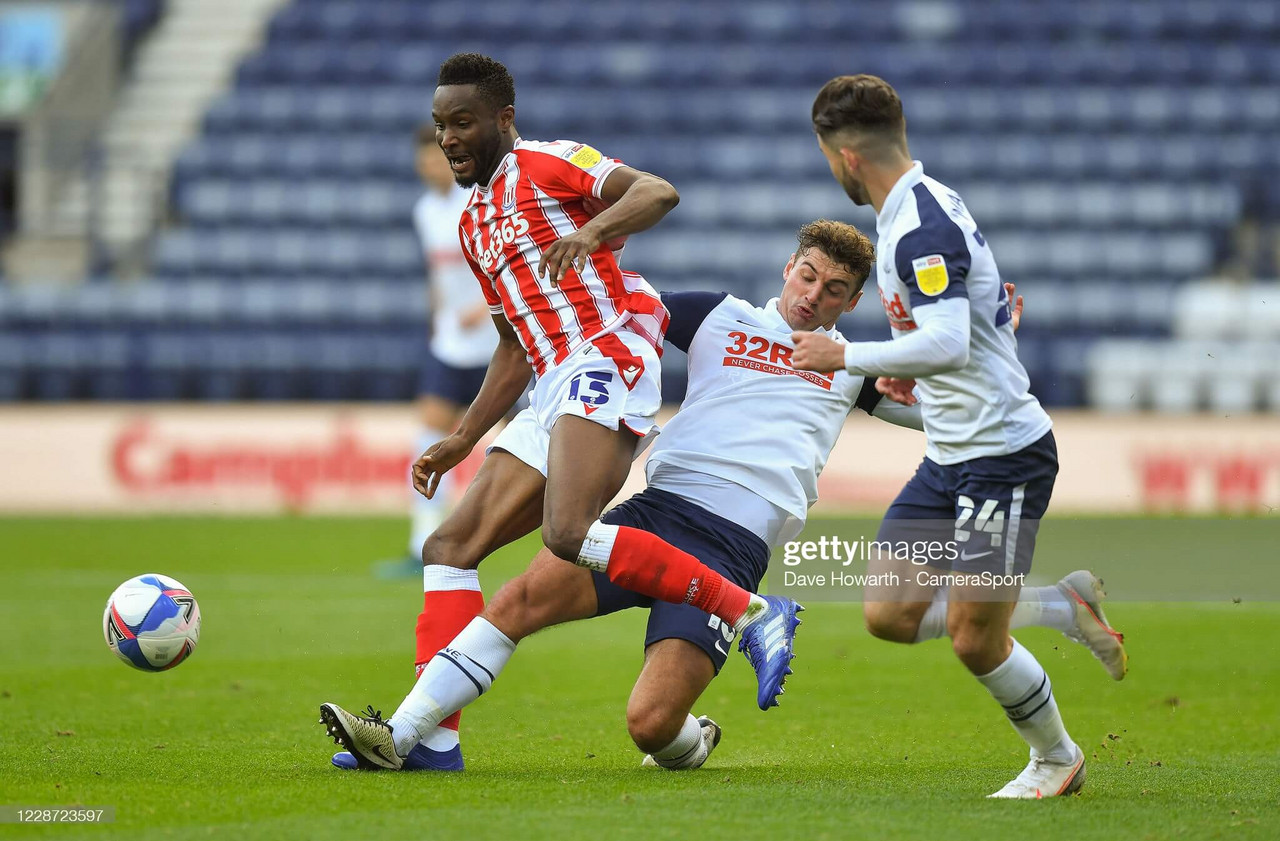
457 385
726 547
990 507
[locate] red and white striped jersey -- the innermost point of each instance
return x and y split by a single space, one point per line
534 198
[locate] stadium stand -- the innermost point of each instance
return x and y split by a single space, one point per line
1106 149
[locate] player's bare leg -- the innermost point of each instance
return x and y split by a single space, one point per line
979 631
503 503
549 592
894 612
676 673
587 465
912 612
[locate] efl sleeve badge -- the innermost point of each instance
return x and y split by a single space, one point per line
585 158
931 274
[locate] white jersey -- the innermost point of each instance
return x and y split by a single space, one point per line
436 216
753 433
930 249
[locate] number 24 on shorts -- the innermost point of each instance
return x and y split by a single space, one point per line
988 519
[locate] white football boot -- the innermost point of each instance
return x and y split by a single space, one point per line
367 737
710 738
1084 591
1042 778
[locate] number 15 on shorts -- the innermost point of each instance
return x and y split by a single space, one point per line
591 387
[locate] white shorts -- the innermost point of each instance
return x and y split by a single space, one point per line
615 379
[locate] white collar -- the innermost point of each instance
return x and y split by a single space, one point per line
910 178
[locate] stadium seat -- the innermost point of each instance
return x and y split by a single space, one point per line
1106 150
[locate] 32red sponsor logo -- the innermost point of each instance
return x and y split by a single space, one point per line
758 347
897 312
761 354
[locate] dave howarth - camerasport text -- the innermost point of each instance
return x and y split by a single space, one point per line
923 578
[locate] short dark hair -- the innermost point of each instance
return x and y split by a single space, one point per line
425 135
843 243
861 104
491 77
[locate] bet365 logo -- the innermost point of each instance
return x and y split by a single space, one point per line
502 232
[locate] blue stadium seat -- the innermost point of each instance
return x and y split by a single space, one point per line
1104 148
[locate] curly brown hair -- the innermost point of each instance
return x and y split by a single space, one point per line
843 243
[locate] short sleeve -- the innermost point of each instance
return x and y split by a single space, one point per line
568 170
933 260
688 310
868 398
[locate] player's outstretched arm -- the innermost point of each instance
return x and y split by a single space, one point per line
903 390
940 344
900 415
636 202
504 382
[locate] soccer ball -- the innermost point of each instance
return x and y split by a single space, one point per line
152 622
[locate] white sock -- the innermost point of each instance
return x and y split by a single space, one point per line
1042 607
756 608
687 749
596 549
460 673
1023 689
1045 607
426 515
933 624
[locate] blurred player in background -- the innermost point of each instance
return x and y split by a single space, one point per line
462 335
990 455
591 332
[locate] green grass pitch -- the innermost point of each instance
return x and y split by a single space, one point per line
872 741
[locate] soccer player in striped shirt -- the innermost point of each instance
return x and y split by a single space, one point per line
539 233
728 498
990 457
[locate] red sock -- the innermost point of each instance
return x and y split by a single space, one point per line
453 600
647 564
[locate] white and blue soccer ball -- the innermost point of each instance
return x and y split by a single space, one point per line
152 622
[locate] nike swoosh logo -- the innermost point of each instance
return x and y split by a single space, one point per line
779 331
589 409
378 750
723 651
965 556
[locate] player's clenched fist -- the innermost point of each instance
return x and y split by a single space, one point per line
816 352
439 459
572 250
